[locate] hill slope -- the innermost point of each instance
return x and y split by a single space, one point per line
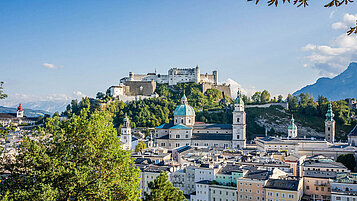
340 87
27 112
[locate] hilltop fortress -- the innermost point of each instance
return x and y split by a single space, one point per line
144 85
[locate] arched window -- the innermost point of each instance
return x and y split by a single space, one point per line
182 121
238 120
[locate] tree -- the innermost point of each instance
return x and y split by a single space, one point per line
265 96
140 147
2 94
348 160
100 95
76 159
280 98
162 189
298 3
256 97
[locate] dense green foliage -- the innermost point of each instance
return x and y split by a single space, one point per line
140 147
162 189
77 159
2 94
348 160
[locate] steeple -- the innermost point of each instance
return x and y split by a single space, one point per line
292 129
329 115
184 100
239 123
125 136
330 125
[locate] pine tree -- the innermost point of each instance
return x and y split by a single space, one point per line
162 189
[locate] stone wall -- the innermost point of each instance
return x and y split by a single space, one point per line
144 88
226 89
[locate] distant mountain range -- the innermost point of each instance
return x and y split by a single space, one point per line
340 87
27 112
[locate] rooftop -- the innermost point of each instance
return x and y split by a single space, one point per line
211 136
283 184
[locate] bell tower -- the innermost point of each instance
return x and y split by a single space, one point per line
125 136
330 125
239 123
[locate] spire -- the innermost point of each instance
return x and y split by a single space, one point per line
239 99
184 99
126 123
292 125
329 115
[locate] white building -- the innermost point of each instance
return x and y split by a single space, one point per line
185 131
344 187
17 118
175 76
128 141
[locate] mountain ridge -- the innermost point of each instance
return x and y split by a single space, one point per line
336 88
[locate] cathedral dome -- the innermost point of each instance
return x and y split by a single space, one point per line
184 109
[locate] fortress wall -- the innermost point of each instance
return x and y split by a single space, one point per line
148 88
226 89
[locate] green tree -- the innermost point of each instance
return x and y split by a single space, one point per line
100 95
140 147
256 97
162 189
298 3
2 94
77 159
348 160
265 96
280 98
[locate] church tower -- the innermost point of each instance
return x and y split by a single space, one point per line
125 136
239 123
292 129
20 111
330 125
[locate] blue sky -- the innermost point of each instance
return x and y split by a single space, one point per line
64 49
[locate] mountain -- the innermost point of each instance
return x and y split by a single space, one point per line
27 112
47 106
340 87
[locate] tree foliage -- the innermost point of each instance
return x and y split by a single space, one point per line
304 3
162 189
140 147
2 94
77 159
348 160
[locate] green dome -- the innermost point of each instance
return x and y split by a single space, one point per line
184 110
292 125
329 115
239 99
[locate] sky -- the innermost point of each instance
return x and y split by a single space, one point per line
59 50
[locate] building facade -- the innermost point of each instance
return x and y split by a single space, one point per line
184 131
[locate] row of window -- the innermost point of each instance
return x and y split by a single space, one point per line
278 194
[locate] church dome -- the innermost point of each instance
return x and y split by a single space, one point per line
19 108
292 125
184 109
239 100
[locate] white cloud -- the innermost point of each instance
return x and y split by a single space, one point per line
339 25
348 21
331 59
51 66
235 86
332 14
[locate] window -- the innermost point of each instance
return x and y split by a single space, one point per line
162 144
291 196
237 136
317 188
177 144
338 198
238 120
307 187
186 136
177 136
